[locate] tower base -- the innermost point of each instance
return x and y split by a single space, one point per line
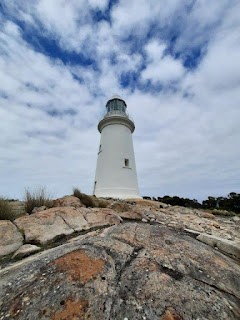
117 193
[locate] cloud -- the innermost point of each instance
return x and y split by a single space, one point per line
161 67
61 60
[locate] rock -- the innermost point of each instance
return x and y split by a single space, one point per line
39 209
193 232
170 314
75 218
43 227
227 246
121 207
236 219
102 217
206 215
131 215
25 251
128 271
10 238
68 201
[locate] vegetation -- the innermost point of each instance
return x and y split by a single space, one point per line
102 204
229 203
37 198
85 199
6 212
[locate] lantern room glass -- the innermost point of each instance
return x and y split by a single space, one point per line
116 105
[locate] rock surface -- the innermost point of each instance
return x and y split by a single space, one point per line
46 226
227 246
39 209
68 201
130 271
26 250
157 262
43 227
10 238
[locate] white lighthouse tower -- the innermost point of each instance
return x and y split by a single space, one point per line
116 175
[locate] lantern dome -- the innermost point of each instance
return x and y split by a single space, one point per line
116 103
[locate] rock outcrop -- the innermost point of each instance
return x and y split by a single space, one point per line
230 247
43 227
68 201
135 260
10 238
130 271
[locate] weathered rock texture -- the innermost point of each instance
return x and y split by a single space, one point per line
10 238
68 201
26 250
43 227
157 262
129 271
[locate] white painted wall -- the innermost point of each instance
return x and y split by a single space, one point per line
113 179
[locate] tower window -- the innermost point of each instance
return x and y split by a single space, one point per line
126 163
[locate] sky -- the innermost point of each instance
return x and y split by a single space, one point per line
176 63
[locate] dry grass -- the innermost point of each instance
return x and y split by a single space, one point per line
37 198
6 212
85 199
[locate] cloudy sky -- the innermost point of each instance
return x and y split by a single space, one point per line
175 62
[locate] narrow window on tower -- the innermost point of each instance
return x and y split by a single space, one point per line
126 163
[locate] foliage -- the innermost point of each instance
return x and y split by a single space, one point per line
6 212
37 198
177 201
231 203
102 204
85 199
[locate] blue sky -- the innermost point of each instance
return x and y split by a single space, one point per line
175 62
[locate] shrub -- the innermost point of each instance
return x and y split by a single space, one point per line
85 199
37 198
77 193
6 212
102 204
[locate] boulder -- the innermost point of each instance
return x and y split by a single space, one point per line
39 209
10 238
206 215
131 215
68 201
226 246
73 217
128 271
43 227
121 207
26 250
236 220
102 217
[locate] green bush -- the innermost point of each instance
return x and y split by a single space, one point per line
37 198
85 199
6 212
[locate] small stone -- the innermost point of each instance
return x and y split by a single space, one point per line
26 250
144 220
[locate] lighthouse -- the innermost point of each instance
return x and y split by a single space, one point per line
116 175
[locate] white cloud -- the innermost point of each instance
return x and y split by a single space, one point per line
160 67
